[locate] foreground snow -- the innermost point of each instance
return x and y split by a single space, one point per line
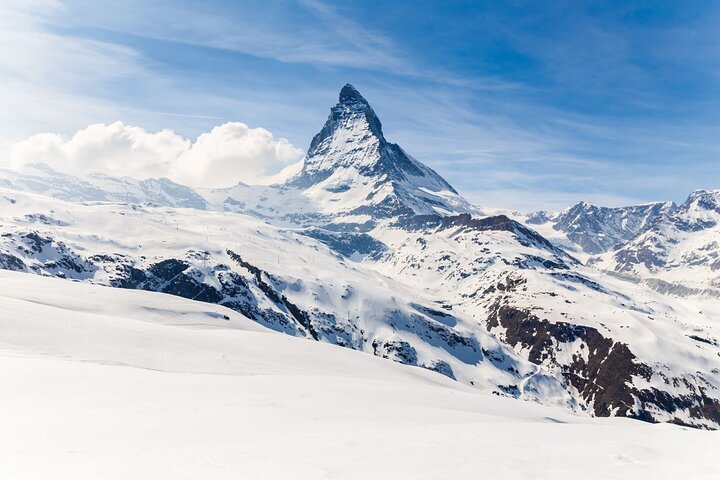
108 383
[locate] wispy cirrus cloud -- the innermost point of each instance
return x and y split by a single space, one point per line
309 32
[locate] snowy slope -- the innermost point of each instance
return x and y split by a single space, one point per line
622 348
433 291
116 384
284 279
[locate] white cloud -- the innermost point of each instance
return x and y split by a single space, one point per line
233 151
229 153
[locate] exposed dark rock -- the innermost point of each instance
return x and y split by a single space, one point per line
398 350
601 370
11 262
297 313
509 390
524 235
347 244
442 367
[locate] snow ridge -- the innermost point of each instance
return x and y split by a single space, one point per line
595 229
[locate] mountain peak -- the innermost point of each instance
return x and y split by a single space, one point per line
350 95
351 120
708 200
352 167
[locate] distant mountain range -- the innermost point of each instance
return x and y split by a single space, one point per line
678 253
594 230
607 311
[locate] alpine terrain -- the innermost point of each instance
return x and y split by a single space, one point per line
604 312
113 383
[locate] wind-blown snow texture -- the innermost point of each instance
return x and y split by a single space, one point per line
368 249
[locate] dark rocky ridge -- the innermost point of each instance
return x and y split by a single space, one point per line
524 235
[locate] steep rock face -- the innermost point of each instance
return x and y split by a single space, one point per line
679 254
351 168
606 373
595 229
600 369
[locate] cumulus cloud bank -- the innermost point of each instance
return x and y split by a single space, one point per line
228 154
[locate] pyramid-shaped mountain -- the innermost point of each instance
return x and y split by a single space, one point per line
351 168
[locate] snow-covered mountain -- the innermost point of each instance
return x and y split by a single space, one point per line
487 302
672 249
351 176
679 254
40 178
368 249
590 229
116 384
351 168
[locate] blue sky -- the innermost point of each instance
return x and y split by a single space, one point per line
518 104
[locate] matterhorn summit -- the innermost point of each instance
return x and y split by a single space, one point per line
351 168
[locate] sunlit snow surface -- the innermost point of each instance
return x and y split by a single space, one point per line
361 301
117 384
368 249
